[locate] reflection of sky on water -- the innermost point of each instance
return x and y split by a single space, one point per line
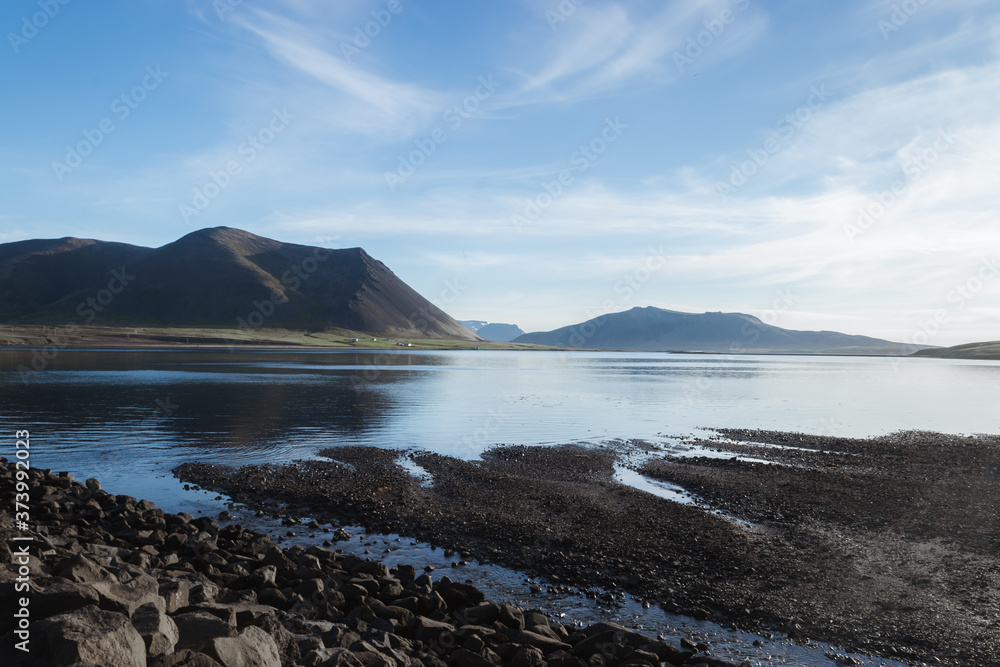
149 410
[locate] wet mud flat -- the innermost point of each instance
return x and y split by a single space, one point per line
109 580
887 545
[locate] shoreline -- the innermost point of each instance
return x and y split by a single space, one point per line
846 571
114 580
82 337
72 336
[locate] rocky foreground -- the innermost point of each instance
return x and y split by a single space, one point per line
886 546
114 581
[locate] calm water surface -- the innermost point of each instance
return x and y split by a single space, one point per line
127 417
120 415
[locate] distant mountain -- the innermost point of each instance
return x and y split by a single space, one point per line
655 329
473 325
494 331
987 350
212 277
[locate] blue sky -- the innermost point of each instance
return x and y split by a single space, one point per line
823 165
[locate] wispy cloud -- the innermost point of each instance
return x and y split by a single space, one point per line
931 237
368 102
606 48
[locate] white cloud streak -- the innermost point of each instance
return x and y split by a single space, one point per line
602 48
369 103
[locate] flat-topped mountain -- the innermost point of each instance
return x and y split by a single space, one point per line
652 329
212 277
497 332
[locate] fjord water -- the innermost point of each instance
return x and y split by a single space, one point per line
128 416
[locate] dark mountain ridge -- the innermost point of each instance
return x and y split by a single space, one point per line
978 350
37 273
653 329
212 277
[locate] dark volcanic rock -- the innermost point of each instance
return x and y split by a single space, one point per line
252 648
60 597
90 636
197 629
157 629
185 658
137 586
884 545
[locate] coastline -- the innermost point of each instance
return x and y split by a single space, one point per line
73 336
870 544
114 580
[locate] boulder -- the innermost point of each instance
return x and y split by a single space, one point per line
205 591
252 648
425 629
226 612
196 630
60 597
81 569
339 636
538 623
466 658
185 658
127 595
661 650
601 636
457 595
400 615
273 597
330 657
262 577
175 593
305 644
638 657
511 616
389 590
430 603
373 659
485 613
288 646
91 636
405 574
545 644
528 656
158 631
560 659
